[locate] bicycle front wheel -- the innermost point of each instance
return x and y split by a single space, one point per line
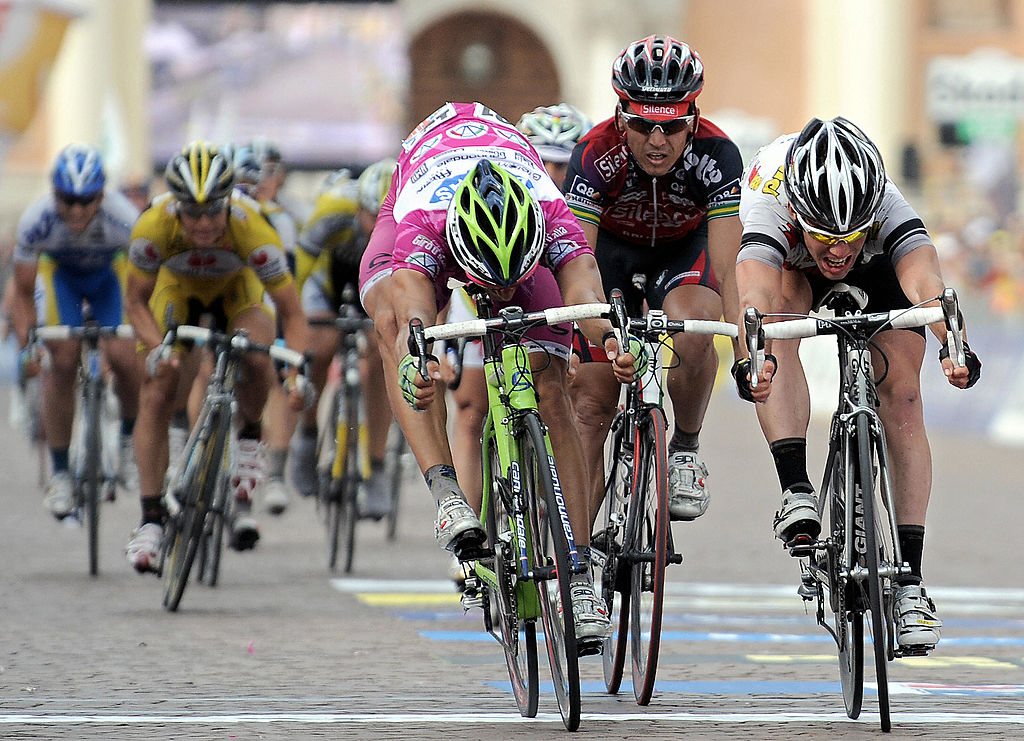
880 620
197 490
647 548
847 615
553 566
92 472
612 574
518 636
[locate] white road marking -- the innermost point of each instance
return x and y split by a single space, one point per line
484 718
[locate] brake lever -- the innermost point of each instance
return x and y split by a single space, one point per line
755 343
951 312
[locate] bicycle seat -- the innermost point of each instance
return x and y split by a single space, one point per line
845 299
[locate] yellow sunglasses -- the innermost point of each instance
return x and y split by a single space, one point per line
829 239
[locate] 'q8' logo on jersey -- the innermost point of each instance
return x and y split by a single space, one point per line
446 190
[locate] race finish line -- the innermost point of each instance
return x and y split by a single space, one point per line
477 718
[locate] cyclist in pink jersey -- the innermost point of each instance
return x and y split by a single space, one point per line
466 171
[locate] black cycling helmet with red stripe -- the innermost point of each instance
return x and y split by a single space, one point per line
658 69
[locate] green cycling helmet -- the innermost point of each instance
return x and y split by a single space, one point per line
495 228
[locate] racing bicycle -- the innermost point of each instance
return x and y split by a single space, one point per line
95 474
636 544
850 571
196 493
523 574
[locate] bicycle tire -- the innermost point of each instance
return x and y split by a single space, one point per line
332 489
879 618
213 529
518 636
92 473
396 471
197 486
647 541
351 479
612 577
847 619
551 549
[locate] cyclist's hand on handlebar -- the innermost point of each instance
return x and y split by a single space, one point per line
418 392
29 361
741 374
160 357
300 391
965 376
624 364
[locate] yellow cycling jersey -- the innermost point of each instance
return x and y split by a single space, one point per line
332 227
158 241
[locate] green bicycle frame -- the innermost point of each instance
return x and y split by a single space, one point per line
510 395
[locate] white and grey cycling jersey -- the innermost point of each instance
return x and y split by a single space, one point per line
771 234
42 231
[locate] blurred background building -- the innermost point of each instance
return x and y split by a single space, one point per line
938 84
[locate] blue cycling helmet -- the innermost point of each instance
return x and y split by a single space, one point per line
78 171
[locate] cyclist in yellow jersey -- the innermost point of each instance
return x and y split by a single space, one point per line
343 218
279 420
204 249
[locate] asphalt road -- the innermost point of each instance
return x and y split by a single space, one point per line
280 649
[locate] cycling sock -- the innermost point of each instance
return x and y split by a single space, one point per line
684 441
790 454
912 548
442 474
250 431
127 426
152 510
275 463
60 459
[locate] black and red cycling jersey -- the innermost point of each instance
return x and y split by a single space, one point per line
605 185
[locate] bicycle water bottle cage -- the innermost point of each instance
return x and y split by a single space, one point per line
845 299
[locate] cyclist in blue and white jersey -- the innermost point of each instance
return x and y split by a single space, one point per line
71 251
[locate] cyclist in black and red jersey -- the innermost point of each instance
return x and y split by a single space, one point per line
656 189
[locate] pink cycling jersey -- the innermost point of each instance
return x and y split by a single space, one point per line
435 158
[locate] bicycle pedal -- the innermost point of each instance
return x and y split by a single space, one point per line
801 546
902 652
589 647
470 546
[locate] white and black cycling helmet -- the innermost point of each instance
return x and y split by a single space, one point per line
554 130
658 69
834 177
374 183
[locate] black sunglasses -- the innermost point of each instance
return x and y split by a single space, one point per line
70 199
198 210
646 126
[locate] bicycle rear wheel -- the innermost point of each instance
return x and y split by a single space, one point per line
880 620
647 545
551 550
518 636
198 484
613 575
847 622
396 471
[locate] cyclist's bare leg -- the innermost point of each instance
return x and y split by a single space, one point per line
258 369
595 396
470 412
127 368
690 383
375 395
902 415
58 405
425 431
555 410
787 413
159 398
323 344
